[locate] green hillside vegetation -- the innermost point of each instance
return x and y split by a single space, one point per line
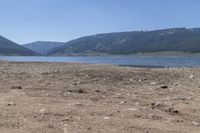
175 39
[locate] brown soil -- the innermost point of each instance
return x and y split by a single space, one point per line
78 98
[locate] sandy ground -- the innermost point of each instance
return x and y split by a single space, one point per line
78 98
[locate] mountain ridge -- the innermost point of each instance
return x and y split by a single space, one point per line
8 47
173 39
43 47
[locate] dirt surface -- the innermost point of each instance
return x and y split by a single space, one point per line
78 98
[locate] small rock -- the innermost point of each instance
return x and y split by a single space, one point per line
137 103
66 119
156 117
97 91
132 109
50 126
195 123
42 110
11 104
106 118
77 83
123 102
191 77
79 104
80 91
157 105
89 128
94 99
153 83
164 87
131 80
180 98
140 80
176 84
173 111
16 87
178 121
52 75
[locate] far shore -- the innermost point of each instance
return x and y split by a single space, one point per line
148 54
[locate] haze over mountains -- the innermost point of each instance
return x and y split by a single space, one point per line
175 39
8 47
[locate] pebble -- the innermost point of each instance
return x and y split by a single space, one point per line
157 105
79 104
11 104
131 80
137 103
176 84
122 102
173 111
180 98
191 77
106 118
195 123
153 83
66 119
42 110
164 86
16 87
132 109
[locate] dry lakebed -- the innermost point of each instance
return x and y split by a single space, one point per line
82 98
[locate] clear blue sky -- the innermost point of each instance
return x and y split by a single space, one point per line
26 21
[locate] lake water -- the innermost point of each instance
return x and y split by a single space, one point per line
116 60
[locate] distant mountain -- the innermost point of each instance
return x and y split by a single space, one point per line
8 47
43 46
175 39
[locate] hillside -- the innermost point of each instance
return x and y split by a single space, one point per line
175 39
8 47
43 46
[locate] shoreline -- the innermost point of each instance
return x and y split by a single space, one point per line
125 66
131 66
